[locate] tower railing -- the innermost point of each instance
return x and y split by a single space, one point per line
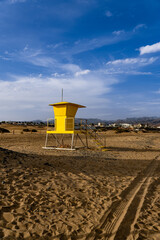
83 127
51 123
93 133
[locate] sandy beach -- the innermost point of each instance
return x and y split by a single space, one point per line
81 194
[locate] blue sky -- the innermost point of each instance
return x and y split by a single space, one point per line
104 54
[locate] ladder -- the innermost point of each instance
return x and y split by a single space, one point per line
88 130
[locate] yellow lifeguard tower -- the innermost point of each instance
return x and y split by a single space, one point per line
64 121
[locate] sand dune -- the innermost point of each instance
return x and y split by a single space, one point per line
47 195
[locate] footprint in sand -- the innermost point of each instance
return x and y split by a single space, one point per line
9 217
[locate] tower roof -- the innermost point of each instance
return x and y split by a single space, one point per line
67 103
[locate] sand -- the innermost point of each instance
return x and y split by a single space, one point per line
83 194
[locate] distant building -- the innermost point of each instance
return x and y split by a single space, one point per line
126 125
101 124
113 125
139 125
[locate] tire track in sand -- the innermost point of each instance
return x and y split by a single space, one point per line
119 220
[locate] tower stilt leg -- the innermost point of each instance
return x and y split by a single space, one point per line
46 140
72 141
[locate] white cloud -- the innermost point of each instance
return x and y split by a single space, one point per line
85 45
16 1
40 57
27 98
71 10
115 71
69 67
158 92
138 27
129 66
108 14
150 48
84 72
4 58
41 61
119 32
33 56
133 61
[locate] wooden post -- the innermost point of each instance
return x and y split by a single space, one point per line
86 135
105 141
